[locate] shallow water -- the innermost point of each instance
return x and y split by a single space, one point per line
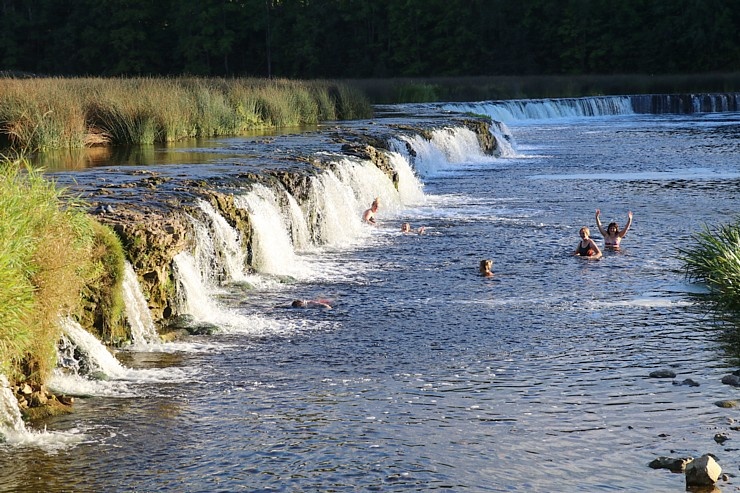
427 377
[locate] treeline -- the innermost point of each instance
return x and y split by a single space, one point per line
368 38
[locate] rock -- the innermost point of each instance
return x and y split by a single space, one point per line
663 374
26 389
703 471
38 399
733 380
66 400
202 329
688 381
726 404
721 438
671 463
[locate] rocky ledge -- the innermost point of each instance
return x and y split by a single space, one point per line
149 209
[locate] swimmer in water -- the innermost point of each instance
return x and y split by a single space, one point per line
612 235
587 247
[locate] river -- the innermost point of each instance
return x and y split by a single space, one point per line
425 376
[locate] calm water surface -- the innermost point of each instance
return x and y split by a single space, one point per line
427 377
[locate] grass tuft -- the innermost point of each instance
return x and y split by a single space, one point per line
714 259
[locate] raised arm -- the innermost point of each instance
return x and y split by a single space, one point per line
598 223
626 226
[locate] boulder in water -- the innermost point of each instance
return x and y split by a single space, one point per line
703 471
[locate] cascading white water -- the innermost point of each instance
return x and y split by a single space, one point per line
540 109
339 197
272 249
225 242
140 320
10 414
298 226
192 292
504 139
446 147
410 188
86 367
98 359
13 430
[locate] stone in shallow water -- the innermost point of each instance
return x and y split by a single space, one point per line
663 374
703 471
733 380
673 464
726 404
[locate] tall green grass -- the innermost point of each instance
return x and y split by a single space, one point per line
49 260
714 259
45 113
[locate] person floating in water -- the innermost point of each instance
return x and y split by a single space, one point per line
369 215
587 247
612 235
406 228
311 304
485 268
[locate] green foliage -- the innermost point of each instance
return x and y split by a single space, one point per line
714 259
369 38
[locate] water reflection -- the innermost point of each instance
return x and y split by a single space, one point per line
198 151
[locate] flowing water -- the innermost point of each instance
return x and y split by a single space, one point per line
425 376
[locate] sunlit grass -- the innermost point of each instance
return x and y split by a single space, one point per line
51 264
45 113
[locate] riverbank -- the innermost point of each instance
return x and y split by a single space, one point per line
54 259
37 114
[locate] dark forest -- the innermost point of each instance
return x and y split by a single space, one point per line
368 38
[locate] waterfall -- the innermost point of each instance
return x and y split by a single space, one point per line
542 109
95 358
86 367
339 197
298 226
11 422
13 430
446 148
272 248
192 291
140 320
410 188
225 243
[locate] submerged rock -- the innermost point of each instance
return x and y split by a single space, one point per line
662 374
689 382
732 379
673 464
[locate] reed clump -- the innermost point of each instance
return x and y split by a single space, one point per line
714 259
45 113
50 262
